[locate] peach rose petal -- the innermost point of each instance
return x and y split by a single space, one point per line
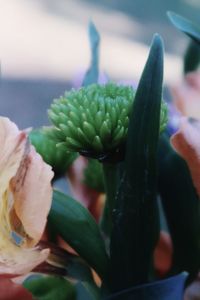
187 143
16 261
12 148
32 193
25 200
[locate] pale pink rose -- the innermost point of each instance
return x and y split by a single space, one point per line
187 143
25 200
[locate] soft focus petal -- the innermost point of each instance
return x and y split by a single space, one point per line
187 95
92 199
32 193
187 143
163 254
12 291
15 260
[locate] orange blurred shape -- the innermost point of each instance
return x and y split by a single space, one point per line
163 254
13 291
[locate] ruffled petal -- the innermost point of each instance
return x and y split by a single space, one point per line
32 192
25 200
12 147
16 260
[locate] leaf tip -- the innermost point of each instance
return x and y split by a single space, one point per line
93 32
157 45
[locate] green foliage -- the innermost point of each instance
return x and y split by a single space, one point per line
192 57
93 71
135 217
182 208
58 158
186 26
78 228
110 182
50 288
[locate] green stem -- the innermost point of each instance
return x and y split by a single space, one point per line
110 182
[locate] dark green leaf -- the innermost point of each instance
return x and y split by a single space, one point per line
185 25
192 57
93 71
86 291
79 229
135 217
110 182
168 289
182 208
62 262
50 288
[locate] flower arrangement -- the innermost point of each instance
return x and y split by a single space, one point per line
127 174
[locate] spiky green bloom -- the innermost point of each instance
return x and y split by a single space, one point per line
94 118
58 158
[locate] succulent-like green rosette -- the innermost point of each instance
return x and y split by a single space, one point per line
94 119
57 157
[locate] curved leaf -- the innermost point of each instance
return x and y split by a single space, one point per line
50 288
93 71
192 57
185 25
169 289
79 229
182 209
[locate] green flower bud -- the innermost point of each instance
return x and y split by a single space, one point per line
94 119
55 156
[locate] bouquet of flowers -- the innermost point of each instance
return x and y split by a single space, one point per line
130 228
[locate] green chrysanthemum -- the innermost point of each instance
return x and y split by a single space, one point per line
54 156
94 118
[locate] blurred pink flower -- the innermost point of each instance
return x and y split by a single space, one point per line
186 142
187 95
25 200
90 198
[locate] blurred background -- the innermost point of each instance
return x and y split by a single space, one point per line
44 47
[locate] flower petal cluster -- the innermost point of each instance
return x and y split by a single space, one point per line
25 200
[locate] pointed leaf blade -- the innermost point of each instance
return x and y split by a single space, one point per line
185 25
92 73
135 216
